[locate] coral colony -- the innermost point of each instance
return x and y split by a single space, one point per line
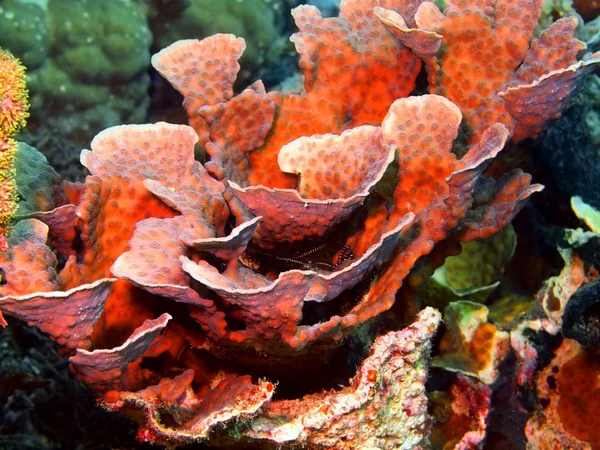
206 300
13 113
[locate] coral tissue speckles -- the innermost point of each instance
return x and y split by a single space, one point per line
354 70
203 81
332 167
336 173
481 59
237 279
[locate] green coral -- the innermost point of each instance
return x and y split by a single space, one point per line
88 68
35 179
254 20
99 41
97 47
25 31
14 111
474 273
510 310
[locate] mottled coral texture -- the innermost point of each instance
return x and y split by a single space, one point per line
483 56
218 291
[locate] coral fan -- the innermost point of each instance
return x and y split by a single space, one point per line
203 299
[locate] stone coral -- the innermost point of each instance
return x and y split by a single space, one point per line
206 300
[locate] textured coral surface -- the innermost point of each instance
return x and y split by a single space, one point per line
569 389
265 296
481 55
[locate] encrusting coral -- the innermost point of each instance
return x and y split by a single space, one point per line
197 298
568 390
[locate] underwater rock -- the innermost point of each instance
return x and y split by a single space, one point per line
567 150
581 319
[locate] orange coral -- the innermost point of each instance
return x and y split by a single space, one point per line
579 404
568 389
354 70
481 56
116 199
264 261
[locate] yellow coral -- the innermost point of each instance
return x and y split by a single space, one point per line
14 106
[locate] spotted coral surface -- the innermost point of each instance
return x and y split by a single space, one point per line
483 56
354 69
216 295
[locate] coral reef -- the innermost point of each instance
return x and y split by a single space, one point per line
89 62
269 297
483 58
